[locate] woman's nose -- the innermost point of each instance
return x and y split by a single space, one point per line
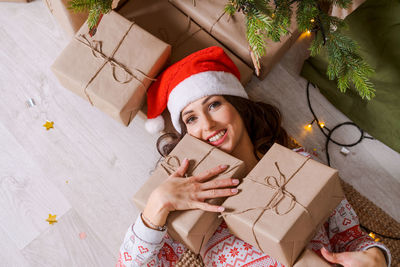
208 123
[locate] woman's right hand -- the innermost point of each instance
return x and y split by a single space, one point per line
180 193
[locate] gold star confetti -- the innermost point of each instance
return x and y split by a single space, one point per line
51 219
48 125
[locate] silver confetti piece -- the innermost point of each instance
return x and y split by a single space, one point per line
30 102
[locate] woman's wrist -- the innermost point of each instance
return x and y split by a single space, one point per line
155 213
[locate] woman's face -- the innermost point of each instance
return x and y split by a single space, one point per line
215 121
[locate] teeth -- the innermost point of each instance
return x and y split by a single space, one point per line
217 136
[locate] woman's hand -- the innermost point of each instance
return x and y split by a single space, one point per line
372 257
179 193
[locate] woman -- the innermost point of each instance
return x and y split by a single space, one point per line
206 100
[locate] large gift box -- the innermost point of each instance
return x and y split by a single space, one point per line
310 259
342 13
282 202
70 21
231 31
17 1
169 24
113 68
191 227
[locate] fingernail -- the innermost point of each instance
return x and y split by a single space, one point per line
223 166
234 190
235 181
185 160
221 209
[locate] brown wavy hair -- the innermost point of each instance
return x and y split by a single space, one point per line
262 122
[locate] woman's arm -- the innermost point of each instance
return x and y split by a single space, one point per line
144 246
143 243
342 235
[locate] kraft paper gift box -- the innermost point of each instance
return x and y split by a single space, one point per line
17 1
112 69
191 227
166 22
231 31
310 259
282 202
342 13
69 20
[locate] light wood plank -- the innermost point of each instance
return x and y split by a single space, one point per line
61 245
26 197
10 255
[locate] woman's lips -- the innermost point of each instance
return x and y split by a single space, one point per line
221 140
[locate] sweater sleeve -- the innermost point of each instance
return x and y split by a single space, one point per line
143 246
342 233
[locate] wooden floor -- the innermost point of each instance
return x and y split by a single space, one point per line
87 168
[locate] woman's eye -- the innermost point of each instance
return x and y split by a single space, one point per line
214 105
190 119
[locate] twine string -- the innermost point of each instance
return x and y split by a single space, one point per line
96 49
280 193
171 164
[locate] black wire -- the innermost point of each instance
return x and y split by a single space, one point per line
330 132
329 139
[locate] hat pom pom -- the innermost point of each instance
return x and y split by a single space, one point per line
155 125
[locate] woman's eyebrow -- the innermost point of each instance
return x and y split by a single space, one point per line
190 111
205 100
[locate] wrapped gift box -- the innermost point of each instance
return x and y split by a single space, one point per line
16 1
112 69
69 20
191 227
231 31
310 259
342 13
166 22
282 202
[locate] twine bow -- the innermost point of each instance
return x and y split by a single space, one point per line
172 163
96 49
280 193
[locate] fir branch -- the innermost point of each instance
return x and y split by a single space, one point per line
346 64
80 5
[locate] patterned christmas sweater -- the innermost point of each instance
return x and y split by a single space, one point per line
143 246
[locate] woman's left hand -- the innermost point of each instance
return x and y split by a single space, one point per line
372 257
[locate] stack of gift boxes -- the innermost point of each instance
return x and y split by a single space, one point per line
281 204
182 26
287 196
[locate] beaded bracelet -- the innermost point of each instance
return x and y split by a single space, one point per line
155 227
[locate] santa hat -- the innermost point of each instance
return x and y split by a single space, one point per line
206 72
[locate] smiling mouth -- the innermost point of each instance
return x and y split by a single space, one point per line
218 138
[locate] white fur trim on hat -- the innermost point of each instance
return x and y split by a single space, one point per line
200 85
155 125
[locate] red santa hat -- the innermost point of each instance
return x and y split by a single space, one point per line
206 72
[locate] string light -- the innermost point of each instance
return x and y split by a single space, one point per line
312 20
328 134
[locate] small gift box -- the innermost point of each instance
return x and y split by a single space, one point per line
113 68
191 227
282 202
231 31
166 22
69 20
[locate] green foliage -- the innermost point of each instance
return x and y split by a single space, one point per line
267 19
95 7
